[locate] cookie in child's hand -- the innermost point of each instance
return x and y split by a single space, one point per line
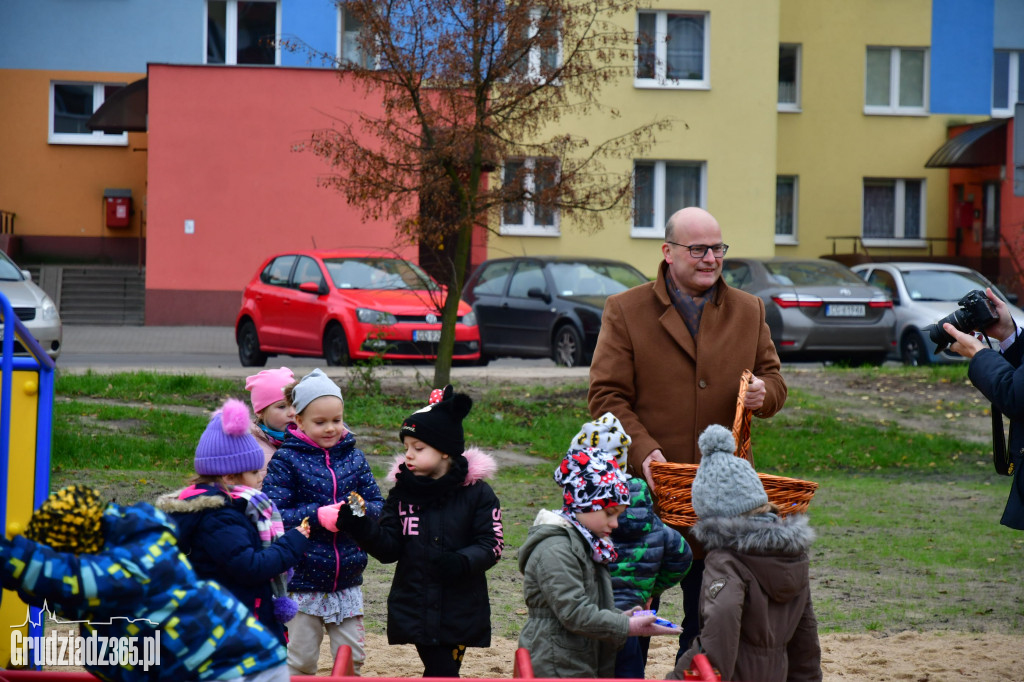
357 504
305 523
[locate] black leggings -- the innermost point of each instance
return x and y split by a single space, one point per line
442 660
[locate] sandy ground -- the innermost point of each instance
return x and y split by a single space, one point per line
910 656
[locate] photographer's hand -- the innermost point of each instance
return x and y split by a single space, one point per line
1004 327
963 344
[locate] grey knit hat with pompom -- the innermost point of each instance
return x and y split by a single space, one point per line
725 485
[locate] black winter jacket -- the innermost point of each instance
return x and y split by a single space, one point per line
423 518
1001 379
222 544
301 478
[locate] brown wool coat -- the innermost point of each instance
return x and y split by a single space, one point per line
645 368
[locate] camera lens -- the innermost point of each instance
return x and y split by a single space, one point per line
938 335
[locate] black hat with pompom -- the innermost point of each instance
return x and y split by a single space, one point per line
439 424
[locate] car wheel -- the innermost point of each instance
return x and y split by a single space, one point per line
335 346
249 352
567 349
913 350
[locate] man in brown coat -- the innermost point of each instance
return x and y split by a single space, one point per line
670 355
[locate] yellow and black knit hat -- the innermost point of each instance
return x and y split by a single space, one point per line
69 521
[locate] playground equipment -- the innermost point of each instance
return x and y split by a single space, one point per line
26 427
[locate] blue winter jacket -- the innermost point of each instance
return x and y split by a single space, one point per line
652 556
301 478
222 544
139 575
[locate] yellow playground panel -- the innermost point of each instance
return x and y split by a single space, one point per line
26 421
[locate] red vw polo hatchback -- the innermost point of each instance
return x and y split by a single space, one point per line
345 305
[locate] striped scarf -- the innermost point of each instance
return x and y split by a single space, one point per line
264 514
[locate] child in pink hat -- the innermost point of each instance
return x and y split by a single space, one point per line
273 412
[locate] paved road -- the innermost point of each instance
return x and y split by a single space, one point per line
212 351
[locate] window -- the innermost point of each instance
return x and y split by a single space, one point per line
527 216
672 50
71 106
896 80
785 209
242 31
277 271
527 276
893 209
789 78
493 279
660 188
307 270
1007 82
545 54
350 51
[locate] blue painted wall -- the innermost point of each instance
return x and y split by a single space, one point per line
100 35
1009 33
961 56
122 36
315 23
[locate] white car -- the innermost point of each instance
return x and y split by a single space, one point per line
32 306
922 294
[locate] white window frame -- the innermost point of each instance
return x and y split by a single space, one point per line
533 69
894 108
899 206
794 106
789 239
372 63
657 230
231 33
96 137
1013 94
660 54
528 228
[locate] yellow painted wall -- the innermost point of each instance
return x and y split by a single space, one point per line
832 145
732 127
57 189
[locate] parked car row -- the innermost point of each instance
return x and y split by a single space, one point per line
346 305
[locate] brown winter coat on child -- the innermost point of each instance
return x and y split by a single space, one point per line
757 621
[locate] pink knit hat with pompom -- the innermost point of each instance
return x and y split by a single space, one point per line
227 447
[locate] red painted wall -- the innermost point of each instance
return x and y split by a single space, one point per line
221 153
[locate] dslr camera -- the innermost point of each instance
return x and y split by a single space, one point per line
976 312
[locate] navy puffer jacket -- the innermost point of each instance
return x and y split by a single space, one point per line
223 544
652 556
301 478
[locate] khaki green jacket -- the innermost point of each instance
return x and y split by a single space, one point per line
573 628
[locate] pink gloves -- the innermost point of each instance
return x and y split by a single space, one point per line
328 516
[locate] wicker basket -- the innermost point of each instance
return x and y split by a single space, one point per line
672 481
675 506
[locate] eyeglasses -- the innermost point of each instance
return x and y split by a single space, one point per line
700 250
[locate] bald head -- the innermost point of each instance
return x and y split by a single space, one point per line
688 220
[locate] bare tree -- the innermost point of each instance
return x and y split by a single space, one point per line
469 86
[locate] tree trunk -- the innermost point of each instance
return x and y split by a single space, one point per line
450 312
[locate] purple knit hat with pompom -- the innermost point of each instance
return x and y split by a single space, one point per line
227 447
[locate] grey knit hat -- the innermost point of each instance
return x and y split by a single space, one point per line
314 385
725 485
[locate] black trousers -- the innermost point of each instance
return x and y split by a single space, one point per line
442 660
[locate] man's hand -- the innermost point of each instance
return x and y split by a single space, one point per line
655 456
963 344
755 395
1004 327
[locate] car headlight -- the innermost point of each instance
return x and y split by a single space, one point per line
48 311
469 319
378 317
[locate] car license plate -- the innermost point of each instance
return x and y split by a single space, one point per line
844 310
432 335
